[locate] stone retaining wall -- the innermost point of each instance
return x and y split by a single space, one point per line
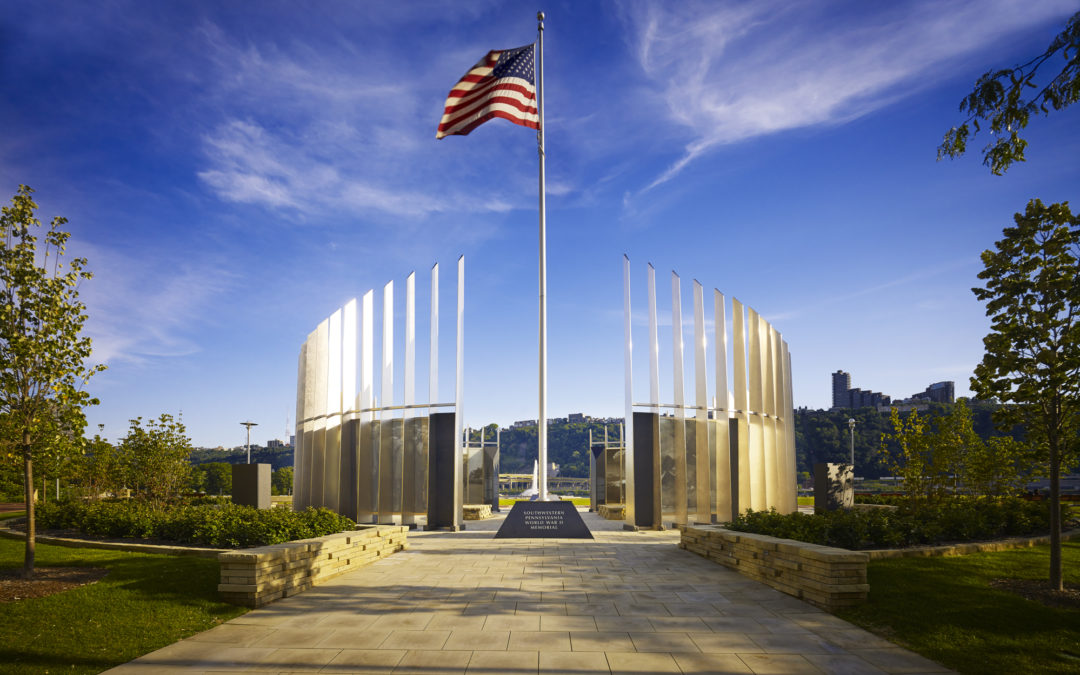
257 576
823 576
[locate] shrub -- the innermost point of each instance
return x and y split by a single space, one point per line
913 523
218 524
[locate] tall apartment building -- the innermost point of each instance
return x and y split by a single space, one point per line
841 384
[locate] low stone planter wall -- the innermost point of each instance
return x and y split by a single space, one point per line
612 511
476 511
827 577
257 576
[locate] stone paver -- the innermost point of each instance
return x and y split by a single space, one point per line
625 602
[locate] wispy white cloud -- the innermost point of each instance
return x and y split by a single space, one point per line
140 310
305 132
728 73
250 165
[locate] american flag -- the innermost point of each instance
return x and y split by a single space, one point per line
500 85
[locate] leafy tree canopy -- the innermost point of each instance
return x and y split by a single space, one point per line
1032 359
43 353
1006 100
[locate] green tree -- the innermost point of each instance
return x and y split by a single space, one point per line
1004 99
157 456
43 354
914 460
218 478
281 481
1032 359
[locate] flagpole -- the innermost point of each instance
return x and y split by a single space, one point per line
541 423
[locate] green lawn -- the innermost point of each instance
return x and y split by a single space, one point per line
12 514
805 501
578 501
145 602
945 609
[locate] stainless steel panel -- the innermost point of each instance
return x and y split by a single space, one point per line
669 476
772 467
433 360
322 336
739 388
298 444
705 475
628 397
613 476
397 464
386 390
654 344
349 401
410 340
416 435
367 355
459 383
690 481
678 393
491 476
720 444
391 450
368 471
473 472
348 474
757 441
789 437
332 438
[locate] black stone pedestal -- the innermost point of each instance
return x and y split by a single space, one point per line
541 520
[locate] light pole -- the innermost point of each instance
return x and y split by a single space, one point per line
851 426
249 425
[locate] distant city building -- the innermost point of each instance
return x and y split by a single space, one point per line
292 441
523 423
938 392
841 384
274 443
846 397
577 417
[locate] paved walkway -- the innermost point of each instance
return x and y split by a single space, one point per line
625 602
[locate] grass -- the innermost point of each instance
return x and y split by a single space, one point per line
578 501
806 501
12 514
145 602
945 609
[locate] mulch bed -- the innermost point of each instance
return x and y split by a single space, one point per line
1038 590
47 581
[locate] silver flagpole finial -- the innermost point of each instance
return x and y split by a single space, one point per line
539 16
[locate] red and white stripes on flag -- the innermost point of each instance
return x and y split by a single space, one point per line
500 85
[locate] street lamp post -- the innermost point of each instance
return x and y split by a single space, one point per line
249 425
851 426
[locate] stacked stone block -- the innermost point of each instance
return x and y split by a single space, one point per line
257 576
476 511
827 577
612 511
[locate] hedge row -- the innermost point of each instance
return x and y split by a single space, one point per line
910 524
222 525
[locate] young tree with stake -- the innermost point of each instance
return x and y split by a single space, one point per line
43 353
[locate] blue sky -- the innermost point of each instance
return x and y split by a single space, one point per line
237 171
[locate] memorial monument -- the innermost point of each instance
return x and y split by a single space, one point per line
720 456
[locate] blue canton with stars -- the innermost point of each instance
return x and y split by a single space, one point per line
515 63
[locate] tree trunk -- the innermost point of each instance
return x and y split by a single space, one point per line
28 469
1055 518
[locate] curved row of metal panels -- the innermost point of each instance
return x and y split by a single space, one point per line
726 453
366 460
